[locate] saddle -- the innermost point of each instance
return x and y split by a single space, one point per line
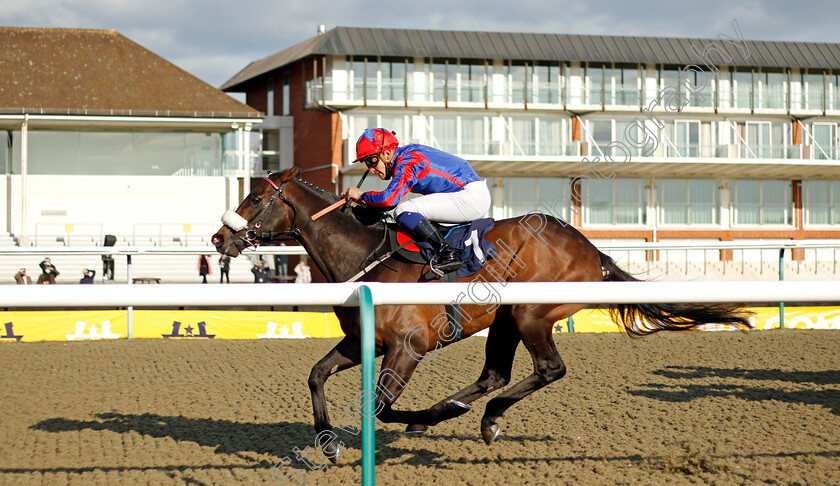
467 238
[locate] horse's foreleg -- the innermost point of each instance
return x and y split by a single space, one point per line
548 367
346 354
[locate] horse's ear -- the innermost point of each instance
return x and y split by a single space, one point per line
290 173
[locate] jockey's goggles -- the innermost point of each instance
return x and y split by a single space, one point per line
371 161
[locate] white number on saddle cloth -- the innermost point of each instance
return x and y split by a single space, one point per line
475 242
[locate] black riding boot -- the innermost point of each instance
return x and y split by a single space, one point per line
445 261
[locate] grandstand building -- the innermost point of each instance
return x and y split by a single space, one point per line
631 139
101 136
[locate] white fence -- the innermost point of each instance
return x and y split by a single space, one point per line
478 292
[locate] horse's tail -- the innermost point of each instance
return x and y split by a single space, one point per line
643 319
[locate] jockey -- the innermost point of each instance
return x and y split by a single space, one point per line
451 190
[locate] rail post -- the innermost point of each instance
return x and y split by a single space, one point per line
366 312
129 309
781 278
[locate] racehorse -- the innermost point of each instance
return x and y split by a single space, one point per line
341 242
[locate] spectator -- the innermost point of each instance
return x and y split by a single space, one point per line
302 272
22 278
224 268
281 264
262 274
48 272
107 267
88 276
204 267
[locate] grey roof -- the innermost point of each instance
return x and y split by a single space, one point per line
357 41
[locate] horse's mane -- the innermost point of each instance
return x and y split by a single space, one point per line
328 196
364 215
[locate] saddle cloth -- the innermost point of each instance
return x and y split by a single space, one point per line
468 237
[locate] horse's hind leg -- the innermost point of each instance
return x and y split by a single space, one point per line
500 349
345 354
535 328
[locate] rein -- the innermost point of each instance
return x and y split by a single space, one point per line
253 237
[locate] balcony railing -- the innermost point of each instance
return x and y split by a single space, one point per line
323 90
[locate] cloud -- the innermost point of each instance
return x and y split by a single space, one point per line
214 39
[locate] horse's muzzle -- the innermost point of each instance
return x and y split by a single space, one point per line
217 240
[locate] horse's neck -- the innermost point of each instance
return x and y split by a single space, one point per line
337 243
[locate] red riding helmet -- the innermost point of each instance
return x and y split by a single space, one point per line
375 141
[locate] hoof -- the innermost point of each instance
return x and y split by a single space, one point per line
490 433
461 405
332 451
416 429
456 408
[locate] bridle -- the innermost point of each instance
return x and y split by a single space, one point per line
253 237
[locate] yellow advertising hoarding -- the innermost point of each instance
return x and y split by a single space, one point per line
204 324
164 324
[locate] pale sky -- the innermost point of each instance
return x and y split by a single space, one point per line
215 39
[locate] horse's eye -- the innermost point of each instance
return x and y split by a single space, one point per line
255 199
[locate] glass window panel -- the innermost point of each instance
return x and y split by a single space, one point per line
518 75
445 133
524 136
743 89
725 90
357 79
551 137
545 84
203 151
393 80
697 88
703 201
818 202
5 166
439 84
471 87
773 90
125 153
360 124
53 152
747 200
618 201
824 135
472 136
814 91
765 139
525 194
835 207
521 193
105 153
396 123
688 138
763 202
371 81
596 85
158 153
598 205
673 201
601 132
631 145
627 86
670 79
835 92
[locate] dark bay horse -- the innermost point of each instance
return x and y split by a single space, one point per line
532 248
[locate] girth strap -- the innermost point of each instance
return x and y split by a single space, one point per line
453 313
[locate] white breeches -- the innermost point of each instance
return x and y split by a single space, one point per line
468 204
